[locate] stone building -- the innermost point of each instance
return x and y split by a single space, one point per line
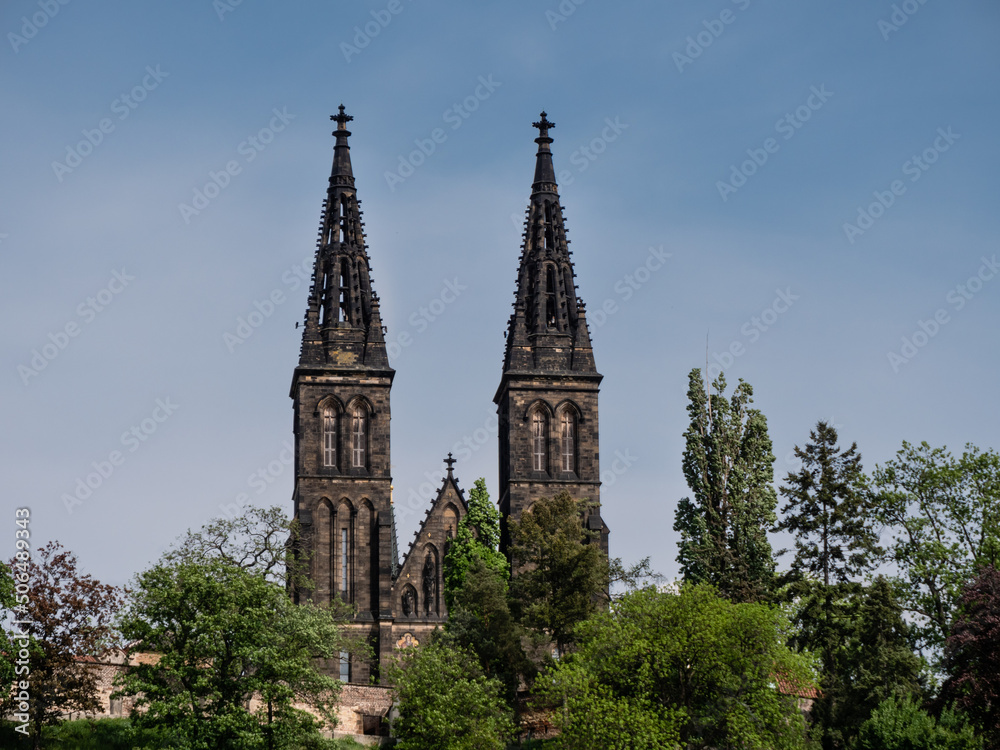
546 403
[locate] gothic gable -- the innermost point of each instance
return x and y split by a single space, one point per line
418 590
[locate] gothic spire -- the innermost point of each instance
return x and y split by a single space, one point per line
342 323
548 328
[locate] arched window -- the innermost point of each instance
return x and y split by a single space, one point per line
329 437
344 561
550 297
344 292
359 437
538 462
567 441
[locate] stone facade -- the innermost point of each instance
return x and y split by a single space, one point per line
547 398
546 403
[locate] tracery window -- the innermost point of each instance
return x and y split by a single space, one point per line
567 440
538 434
329 437
359 437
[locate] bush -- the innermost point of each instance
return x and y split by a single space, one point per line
904 725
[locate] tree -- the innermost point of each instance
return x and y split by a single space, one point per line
632 577
562 573
944 517
834 544
477 538
446 703
972 654
901 724
257 541
691 669
864 648
7 650
225 635
65 618
728 465
479 621
833 536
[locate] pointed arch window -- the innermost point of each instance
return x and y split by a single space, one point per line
538 434
567 440
343 563
344 292
359 437
329 437
550 297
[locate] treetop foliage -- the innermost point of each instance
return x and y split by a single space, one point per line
943 514
825 511
225 635
477 538
689 669
445 701
728 464
68 615
562 573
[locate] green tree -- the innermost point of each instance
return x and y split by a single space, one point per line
7 613
446 703
972 654
944 517
477 538
690 669
65 618
834 545
834 539
479 620
258 541
562 573
225 635
728 465
903 725
866 656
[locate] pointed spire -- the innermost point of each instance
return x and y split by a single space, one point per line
547 329
545 173
342 174
343 326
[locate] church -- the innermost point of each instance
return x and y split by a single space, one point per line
546 405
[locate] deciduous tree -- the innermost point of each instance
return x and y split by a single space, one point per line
445 702
691 669
901 724
944 517
972 654
223 635
66 618
728 465
257 541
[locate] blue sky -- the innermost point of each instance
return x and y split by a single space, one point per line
804 193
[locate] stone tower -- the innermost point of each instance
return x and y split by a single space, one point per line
340 390
547 398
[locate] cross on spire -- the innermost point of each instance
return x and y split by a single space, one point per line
341 118
451 462
543 126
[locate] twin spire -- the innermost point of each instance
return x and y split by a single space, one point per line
343 327
548 328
